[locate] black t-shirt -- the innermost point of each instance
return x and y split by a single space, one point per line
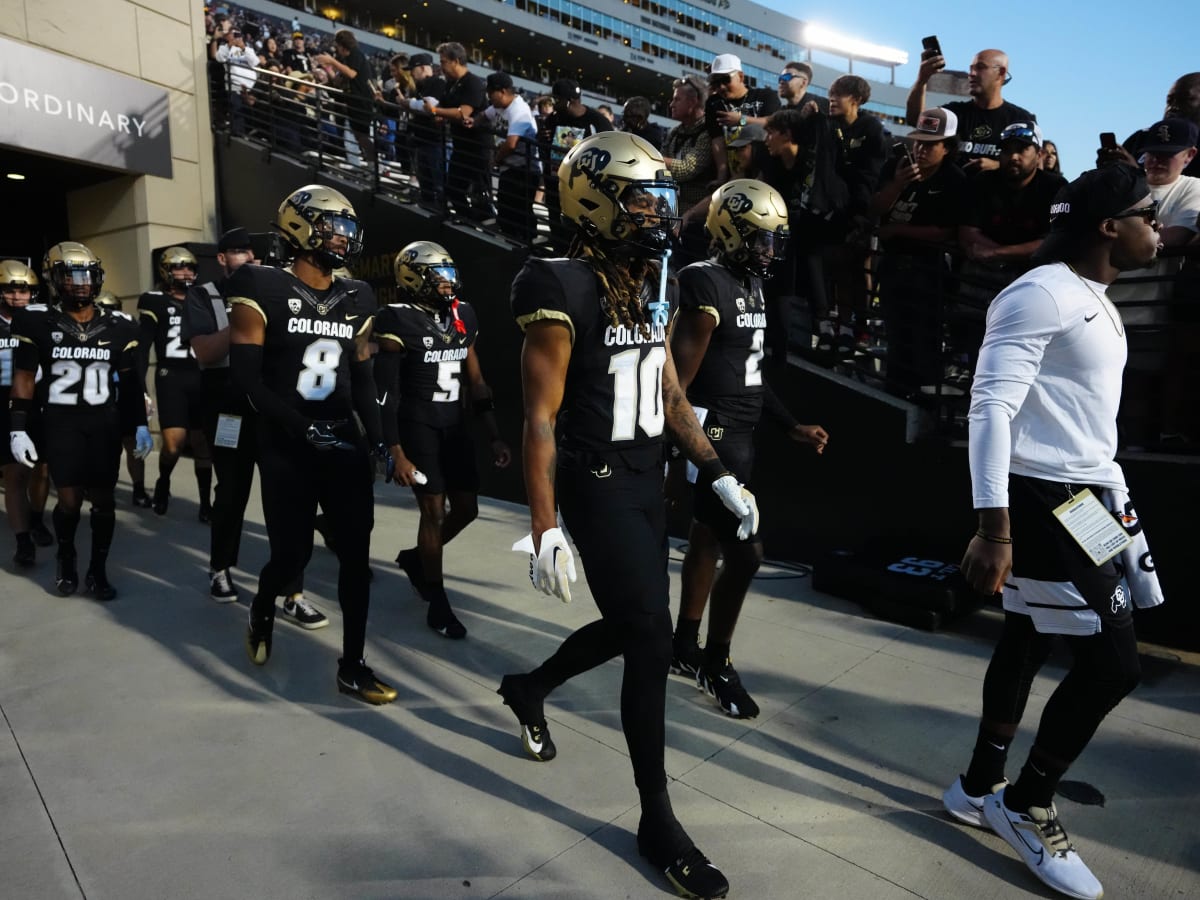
755 103
420 123
937 201
1007 216
434 342
979 129
822 103
864 150
606 410
296 60
470 90
359 86
729 381
564 131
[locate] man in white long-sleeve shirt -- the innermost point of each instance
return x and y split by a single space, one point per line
1043 435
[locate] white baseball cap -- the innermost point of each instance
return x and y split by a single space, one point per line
725 63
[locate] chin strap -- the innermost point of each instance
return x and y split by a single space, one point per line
661 309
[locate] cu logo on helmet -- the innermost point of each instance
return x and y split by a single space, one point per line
593 160
738 204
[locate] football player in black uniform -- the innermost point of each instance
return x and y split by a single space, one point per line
177 385
80 350
18 287
596 363
717 344
299 349
426 352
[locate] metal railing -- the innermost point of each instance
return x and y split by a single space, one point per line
408 154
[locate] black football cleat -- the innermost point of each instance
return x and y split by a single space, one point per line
526 704
97 584
357 680
66 576
26 555
162 496
441 619
258 639
41 534
141 498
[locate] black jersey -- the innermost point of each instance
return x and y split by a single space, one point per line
311 336
612 404
162 315
8 343
434 343
729 381
79 360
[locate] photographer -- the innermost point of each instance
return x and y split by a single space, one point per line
241 62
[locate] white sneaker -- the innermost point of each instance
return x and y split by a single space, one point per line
1041 841
304 613
964 807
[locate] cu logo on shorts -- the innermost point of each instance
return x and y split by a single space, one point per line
1118 599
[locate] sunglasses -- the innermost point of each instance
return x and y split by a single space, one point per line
788 76
1148 214
719 80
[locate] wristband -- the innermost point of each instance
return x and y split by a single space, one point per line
710 470
991 538
18 416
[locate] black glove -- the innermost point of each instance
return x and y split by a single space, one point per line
385 456
321 434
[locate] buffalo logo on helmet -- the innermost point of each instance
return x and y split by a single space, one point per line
294 305
738 204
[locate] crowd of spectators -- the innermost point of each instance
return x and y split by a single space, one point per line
898 241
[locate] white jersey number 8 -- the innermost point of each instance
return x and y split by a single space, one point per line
318 378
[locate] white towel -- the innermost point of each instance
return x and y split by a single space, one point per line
1136 562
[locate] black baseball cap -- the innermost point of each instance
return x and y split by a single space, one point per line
1170 136
566 89
419 59
499 81
1091 198
234 239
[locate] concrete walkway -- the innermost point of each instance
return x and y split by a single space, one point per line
143 756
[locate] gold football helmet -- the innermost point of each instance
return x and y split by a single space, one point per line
616 187
106 299
748 221
72 273
422 267
174 258
319 220
17 278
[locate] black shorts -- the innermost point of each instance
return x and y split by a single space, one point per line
619 525
83 449
445 456
1053 581
736 451
180 398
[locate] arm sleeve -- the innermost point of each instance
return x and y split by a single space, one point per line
131 404
1019 326
387 391
776 411
362 391
245 361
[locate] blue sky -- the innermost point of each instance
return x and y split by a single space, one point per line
1080 68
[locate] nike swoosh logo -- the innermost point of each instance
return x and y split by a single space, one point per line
351 318
1089 318
103 343
382 401
535 746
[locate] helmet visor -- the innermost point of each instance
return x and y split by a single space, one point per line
766 246
342 236
439 275
651 204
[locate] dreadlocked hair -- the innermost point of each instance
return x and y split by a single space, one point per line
620 285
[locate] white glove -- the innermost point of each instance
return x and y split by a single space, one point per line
552 567
740 502
419 477
23 450
142 442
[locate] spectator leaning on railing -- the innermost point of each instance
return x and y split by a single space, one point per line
241 61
